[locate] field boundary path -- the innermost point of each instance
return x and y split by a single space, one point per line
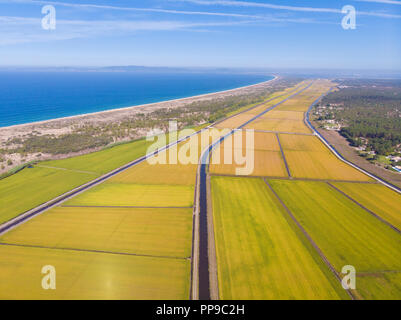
283 155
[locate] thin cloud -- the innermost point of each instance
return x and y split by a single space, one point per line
14 30
134 9
382 1
267 18
229 3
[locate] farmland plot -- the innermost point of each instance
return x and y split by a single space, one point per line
260 253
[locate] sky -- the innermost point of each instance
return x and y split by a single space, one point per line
202 33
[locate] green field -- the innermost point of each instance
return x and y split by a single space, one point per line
347 234
260 253
42 183
89 275
105 160
376 197
159 232
32 187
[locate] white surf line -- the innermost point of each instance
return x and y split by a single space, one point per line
337 154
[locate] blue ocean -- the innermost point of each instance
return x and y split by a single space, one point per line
35 96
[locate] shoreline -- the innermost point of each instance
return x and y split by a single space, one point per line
129 108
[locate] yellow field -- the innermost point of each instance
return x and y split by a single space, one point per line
303 101
289 115
376 197
261 141
299 103
123 194
159 232
145 173
88 275
240 119
307 157
295 142
279 125
321 165
266 163
235 121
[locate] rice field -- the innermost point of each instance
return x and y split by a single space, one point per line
240 119
376 197
292 142
308 158
346 233
141 231
321 165
235 121
91 275
105 160
265 163
288 115
138 195
33 186
262 158
279 125
260 254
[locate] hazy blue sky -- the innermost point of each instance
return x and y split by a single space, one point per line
269 33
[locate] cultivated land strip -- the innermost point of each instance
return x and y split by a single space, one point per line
319 251
366 209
